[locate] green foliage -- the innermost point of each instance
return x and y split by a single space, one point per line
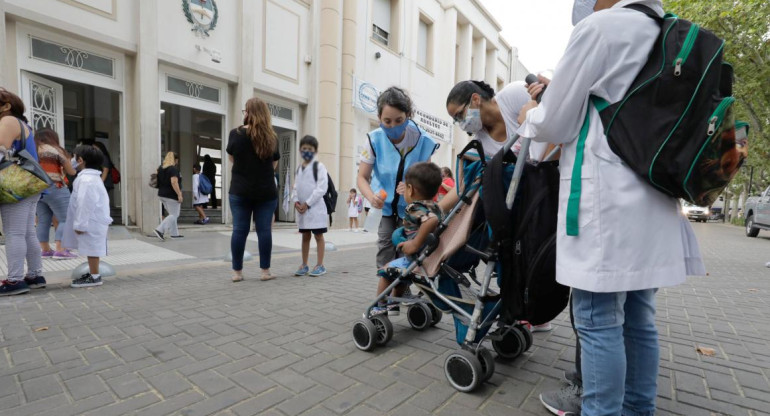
745 26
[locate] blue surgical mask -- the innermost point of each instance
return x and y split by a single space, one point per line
307 155
471 124
582 9
395 132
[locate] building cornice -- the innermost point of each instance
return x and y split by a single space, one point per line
38 19
448 4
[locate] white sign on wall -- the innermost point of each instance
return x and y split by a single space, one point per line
365 99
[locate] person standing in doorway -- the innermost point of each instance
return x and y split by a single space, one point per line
55 200
253 152
107 166
210 171
170 194
199 200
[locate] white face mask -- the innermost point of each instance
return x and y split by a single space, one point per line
582 9
471 124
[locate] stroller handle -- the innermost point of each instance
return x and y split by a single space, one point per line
510 197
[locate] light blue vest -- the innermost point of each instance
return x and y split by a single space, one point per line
390 167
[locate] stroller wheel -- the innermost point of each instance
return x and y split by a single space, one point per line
419 316
437 314
384 329
487 362
463 370
527 335
364 334
511 345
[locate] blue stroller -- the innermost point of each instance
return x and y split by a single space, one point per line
446 276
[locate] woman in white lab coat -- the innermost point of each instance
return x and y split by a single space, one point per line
628 239
310 186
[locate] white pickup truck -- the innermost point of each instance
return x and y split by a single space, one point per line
757 211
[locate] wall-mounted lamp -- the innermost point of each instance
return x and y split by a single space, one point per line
377 55
215 55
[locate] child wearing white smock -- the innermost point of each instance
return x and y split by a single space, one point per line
310 185
354 209
88 214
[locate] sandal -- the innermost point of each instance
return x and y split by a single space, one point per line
266 276
237 279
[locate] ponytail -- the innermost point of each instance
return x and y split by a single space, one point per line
462 92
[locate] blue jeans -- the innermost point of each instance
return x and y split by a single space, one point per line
243 210
619 351
53 203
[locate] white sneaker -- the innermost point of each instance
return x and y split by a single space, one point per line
355 230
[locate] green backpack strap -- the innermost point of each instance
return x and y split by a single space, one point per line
575 189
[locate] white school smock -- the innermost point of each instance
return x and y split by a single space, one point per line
307 190
88 211
353 207
631 236
198 198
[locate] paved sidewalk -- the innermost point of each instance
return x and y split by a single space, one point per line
180 338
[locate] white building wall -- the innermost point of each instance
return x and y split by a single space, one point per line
283 64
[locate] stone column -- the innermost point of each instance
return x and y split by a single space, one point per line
449 43
148 115
464 52
463 73
479 58
347 115
491 68
329 78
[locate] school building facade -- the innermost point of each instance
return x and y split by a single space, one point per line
145 77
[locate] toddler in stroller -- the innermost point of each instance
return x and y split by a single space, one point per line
443 272
422 217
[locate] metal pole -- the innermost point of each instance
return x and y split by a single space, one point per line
751 179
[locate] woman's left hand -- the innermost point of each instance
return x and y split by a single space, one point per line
401 188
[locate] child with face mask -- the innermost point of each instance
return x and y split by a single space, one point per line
88 215
310 185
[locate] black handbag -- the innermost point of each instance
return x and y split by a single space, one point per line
21 176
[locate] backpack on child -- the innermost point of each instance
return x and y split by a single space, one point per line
675 126
204 185
330 197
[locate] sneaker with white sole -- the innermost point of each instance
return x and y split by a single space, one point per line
564 402
87 280
318 271
8 288
159 235
36 282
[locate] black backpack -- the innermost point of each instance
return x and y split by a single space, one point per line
675 126
330 197
525 239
